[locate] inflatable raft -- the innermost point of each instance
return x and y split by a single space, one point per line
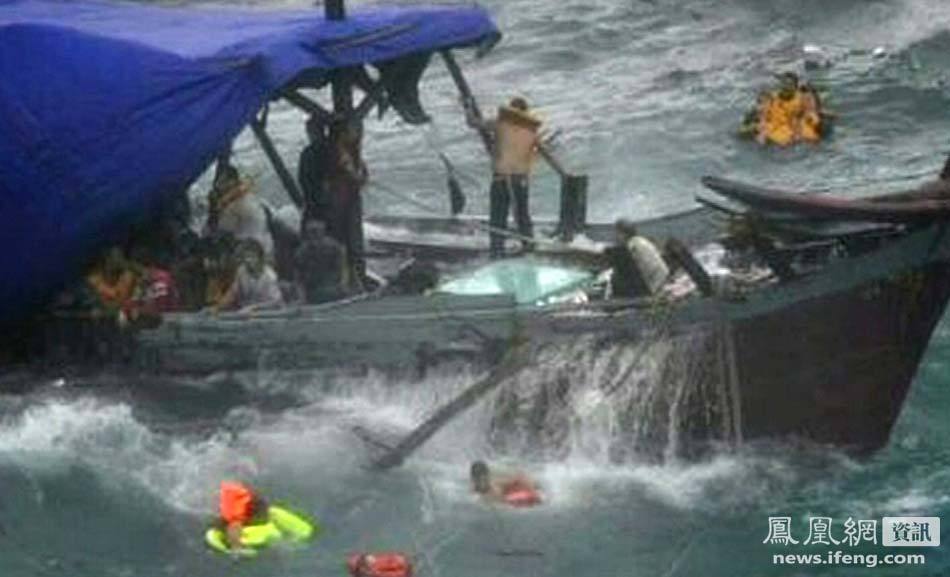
281 526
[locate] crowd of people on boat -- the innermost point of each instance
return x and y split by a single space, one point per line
245 258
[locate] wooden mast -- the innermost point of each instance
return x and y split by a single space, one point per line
341 83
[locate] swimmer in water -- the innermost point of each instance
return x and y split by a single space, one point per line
516 490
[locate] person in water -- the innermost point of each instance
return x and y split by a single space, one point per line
255 283
320 265
638 267
239 506
517 140
516 490
789 114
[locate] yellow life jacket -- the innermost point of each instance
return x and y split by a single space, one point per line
516 137
785 121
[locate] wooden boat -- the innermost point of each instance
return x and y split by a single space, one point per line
819 207
827 354
820 338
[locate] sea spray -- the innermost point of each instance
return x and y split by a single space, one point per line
659 397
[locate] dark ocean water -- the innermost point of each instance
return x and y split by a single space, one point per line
648 95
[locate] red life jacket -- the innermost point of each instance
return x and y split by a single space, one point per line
518 493
236 503
387 564
160 294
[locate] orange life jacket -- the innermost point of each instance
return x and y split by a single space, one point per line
236 503
387 564
518 493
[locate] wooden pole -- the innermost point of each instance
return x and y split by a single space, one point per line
334 9
509 365
468 98
309 106
285 177
341 83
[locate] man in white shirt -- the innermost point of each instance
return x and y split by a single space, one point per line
255 284
638 267
235 209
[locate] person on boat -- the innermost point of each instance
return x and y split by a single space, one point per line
516 490
638 267
157 292
516 142
234 208
321 266
115 280
312 172
219 262
255 285
414 278
344 181
191 276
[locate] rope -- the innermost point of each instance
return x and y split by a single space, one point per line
434 141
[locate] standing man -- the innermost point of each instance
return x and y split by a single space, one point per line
516 142
312 172
345 179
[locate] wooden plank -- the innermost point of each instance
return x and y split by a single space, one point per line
510 364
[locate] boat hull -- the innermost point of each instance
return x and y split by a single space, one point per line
827 357
836 370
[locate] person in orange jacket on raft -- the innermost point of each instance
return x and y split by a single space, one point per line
247 524
513 490
240 506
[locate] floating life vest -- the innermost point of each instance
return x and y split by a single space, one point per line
786 121
520 494
281 525
387 564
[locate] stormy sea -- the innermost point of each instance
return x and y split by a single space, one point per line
97 482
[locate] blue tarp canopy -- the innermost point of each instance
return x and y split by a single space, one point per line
106 107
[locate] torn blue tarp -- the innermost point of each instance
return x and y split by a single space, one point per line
106 108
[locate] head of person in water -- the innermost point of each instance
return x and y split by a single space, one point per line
518 103
788 84
251 255
481 477
625 230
